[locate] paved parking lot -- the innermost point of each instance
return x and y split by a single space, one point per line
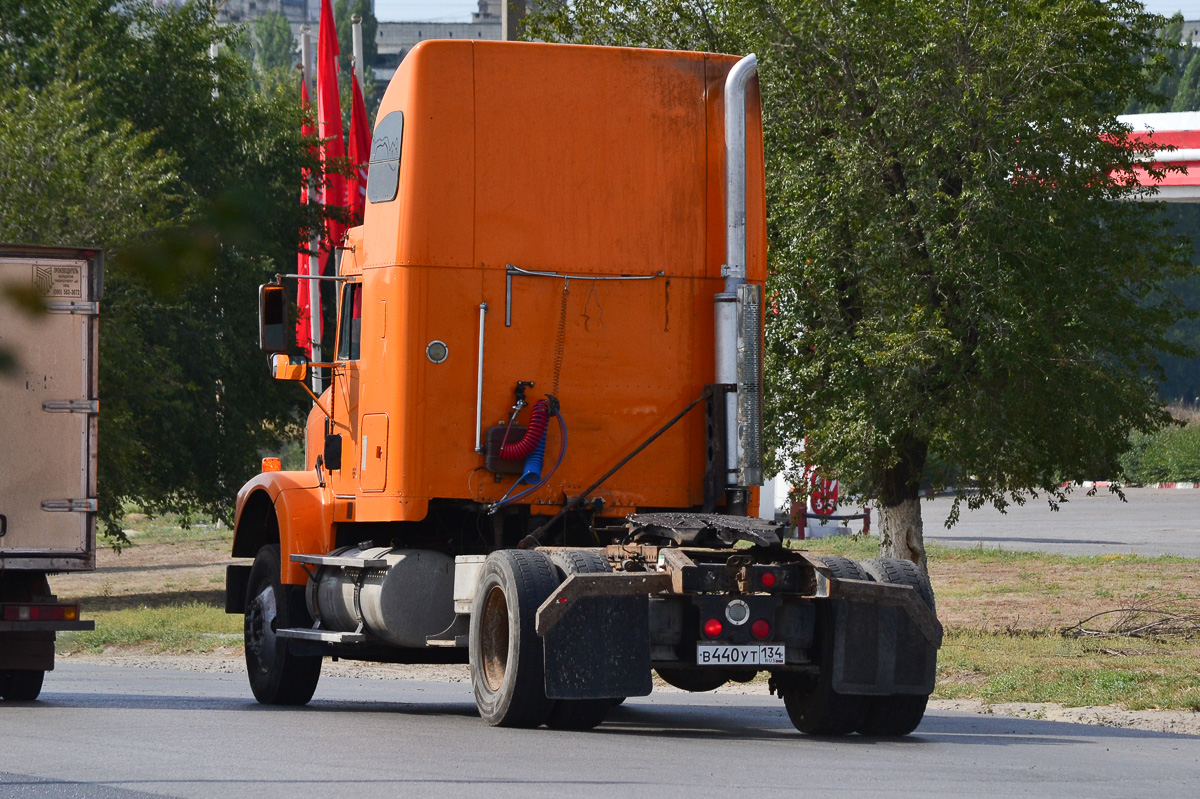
1151 522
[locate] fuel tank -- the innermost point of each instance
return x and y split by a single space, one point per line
403 604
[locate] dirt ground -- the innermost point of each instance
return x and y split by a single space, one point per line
1051 594
151 575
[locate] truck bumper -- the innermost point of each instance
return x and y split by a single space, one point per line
602 634
44 626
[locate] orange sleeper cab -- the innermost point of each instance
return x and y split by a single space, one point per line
583 161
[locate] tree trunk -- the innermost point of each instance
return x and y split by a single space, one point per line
900 532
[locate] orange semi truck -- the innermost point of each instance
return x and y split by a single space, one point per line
539 447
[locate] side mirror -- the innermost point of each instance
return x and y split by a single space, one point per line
333 452
273 328
287 367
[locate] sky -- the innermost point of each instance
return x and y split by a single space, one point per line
460 10
421 10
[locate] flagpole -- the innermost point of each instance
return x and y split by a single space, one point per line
356 38
314 239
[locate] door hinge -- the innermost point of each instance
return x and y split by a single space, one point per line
89 505
71 406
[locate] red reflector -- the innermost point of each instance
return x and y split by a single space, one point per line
760 629
768 579
712 628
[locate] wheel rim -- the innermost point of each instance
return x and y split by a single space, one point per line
260 628
493 638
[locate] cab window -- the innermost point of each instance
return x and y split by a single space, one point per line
350 334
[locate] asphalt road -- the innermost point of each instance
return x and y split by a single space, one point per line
115 733
1152 522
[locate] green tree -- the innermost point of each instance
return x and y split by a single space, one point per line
65 178
1163 69
955 275
273 46
208 213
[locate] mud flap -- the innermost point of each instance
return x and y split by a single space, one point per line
600 649
237 577
879 651
31 651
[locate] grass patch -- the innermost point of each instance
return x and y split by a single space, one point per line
191 628
1004 611
168 529
1134 673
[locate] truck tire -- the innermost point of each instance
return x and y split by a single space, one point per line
899 714
812 704
21 685
277 677
507 665
578 714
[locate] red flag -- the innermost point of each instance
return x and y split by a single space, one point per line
359 152
303 329
329 125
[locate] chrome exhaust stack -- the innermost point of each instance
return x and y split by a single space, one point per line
738 312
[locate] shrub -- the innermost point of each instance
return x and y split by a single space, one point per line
1171 454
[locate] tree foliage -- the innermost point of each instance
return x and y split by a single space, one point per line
1166 70
954 272
273 46
189 175
66 178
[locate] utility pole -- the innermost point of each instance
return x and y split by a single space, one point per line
214 50
314 238
512 12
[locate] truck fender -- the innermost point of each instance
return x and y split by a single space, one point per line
287 508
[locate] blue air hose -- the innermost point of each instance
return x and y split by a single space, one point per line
538 453
532 472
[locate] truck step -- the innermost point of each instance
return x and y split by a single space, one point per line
346 563
322 636
454 635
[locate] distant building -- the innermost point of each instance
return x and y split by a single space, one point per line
296 11
395 39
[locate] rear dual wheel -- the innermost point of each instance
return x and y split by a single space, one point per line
21 685
812 704
506 655
578 714
898 714
507 664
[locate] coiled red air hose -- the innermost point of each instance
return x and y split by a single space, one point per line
539 417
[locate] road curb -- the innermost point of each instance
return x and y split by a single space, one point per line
1109 483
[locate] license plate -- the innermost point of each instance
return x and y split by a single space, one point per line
727 655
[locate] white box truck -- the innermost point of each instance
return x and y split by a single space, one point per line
49 305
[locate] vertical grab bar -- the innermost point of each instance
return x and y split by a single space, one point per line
479 384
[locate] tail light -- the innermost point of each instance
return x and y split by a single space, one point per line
712 628
760 629
41 612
